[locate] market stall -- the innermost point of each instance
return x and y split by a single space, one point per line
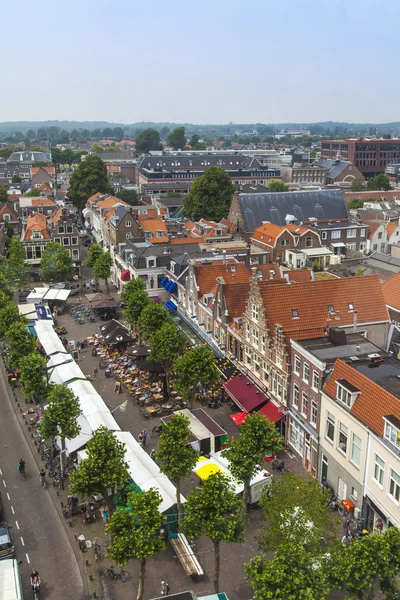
207 435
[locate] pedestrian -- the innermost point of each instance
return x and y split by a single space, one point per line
95 373
93 284
88 286
65 342
164 588
140 439
144 434
78 345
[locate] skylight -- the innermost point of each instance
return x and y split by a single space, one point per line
295 313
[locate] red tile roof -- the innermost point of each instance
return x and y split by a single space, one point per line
155 225
43 202
207 273
185 240
391 291
312 299
391 228
372 404
8 209
36 222
49 170
269 232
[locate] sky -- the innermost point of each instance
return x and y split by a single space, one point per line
210 61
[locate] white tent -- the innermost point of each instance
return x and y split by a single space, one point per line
36 296
145 472
55 294
89 399
63 373
49 339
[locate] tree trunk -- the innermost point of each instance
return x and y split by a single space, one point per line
106 282
178 500
142 575
217 566
246 494
167 366
62 462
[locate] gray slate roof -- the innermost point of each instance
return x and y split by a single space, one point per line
187 161
323 205
29 157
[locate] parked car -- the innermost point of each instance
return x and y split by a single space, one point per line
7 549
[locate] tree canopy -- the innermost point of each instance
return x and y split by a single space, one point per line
147 140
135 532
16 268
9 314
3 195
56 264
358 184
152 317
33 192
177 138
175 455
131 197
167 343
196 365
380 182
210 196
20 342
214 510
274 185
258 438
33 375
94 252
88 178
102 267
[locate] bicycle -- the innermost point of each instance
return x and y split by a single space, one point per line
111 574
43 482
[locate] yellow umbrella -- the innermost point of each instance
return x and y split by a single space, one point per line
206 467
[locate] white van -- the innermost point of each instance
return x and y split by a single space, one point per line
10 580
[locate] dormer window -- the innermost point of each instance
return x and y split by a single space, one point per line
346 393
392 430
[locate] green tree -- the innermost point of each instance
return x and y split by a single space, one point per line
33 192
295 512
214 510
33 375
175 455
177 138
135 303
131 197
104 467
16 178
196 365
3 195
194 140
380 182
131 287
102 268
56 264
274 185
356 203
360 272
292 574
358 184
370 564
152 317
88 178
167 343
258 438
134 531
96 148
147 140
61 417
8 314
16 268
20 342
95 251
210 195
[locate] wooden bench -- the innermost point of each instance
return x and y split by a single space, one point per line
186 556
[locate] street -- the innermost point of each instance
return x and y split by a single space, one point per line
38 534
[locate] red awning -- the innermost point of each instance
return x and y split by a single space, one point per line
245 393
239 418
272 412
126 275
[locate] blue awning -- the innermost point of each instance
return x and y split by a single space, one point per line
171 287
164 281
170 305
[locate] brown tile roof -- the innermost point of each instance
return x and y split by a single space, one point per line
299 276
43 202
391 228
207 273
152 213
155 225
391 291
45 188
56 216
236 295
49 170
109 202
185 240
8 209
113 168
36 222
312 299
372 227
268 233
228 224
95 197
372 404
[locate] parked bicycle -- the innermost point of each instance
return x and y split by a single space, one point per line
112 574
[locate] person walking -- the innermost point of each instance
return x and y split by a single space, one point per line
95 373
144 434
21 467
88 286
164 588
140 439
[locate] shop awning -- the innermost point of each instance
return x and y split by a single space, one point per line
239 418
272 412
338 245
170 305
169 285
245 393
126 275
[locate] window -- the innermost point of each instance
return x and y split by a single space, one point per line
278 357
297 365
257 365
380 235
254 312
74 241
36 235
355 450
351 306
248 355
351 233
330 427
151 263
66 241
342 489
128 235
344 396
160 234
142 211
254 337
362 233
309 242
295 313
265 371
75 253
295 395
61 229
147 234
383 246
263 344
314 413
57 240
306 372
354 493
6 218
284 242
351 246
304 403
335 235
343 436
315 380
128 223
394 485
69 229
379 470
324 235
296 437
392 434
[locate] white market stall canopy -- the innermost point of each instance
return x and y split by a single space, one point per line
145 472
49 340
66 371
43 294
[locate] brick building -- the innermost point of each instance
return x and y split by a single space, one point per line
369 156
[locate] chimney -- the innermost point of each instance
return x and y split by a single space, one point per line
248 252
271 274
224 255
355 313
